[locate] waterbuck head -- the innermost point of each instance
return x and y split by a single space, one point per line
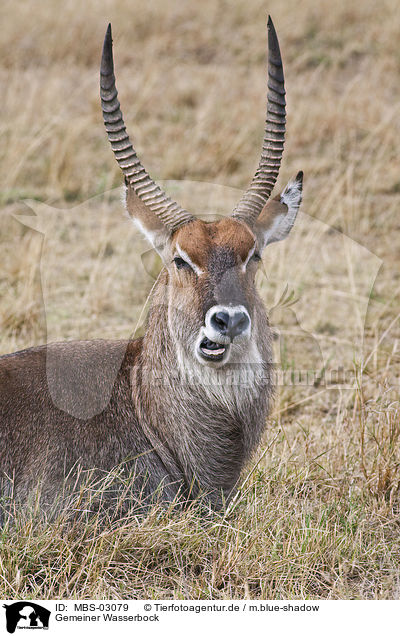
210 267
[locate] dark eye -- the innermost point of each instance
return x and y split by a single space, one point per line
256 257
180 263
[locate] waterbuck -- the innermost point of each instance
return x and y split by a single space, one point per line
189 403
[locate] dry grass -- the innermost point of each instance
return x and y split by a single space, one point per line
319 515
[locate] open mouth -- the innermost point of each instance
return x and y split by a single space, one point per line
212 350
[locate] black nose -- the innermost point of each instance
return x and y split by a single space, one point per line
230 325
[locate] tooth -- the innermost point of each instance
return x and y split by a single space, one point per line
214 352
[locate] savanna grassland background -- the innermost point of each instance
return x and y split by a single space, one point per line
318 512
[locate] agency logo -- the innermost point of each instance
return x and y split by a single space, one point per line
26 615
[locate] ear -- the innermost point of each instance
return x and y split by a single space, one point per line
279 214
146 221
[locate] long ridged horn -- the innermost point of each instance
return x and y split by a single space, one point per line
254 199
169 212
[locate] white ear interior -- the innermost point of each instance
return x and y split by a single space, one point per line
156 238
146 222
283 223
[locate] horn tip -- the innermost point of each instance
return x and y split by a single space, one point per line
107 64
108 36
270 26
273 44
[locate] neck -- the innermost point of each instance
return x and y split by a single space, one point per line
205 422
